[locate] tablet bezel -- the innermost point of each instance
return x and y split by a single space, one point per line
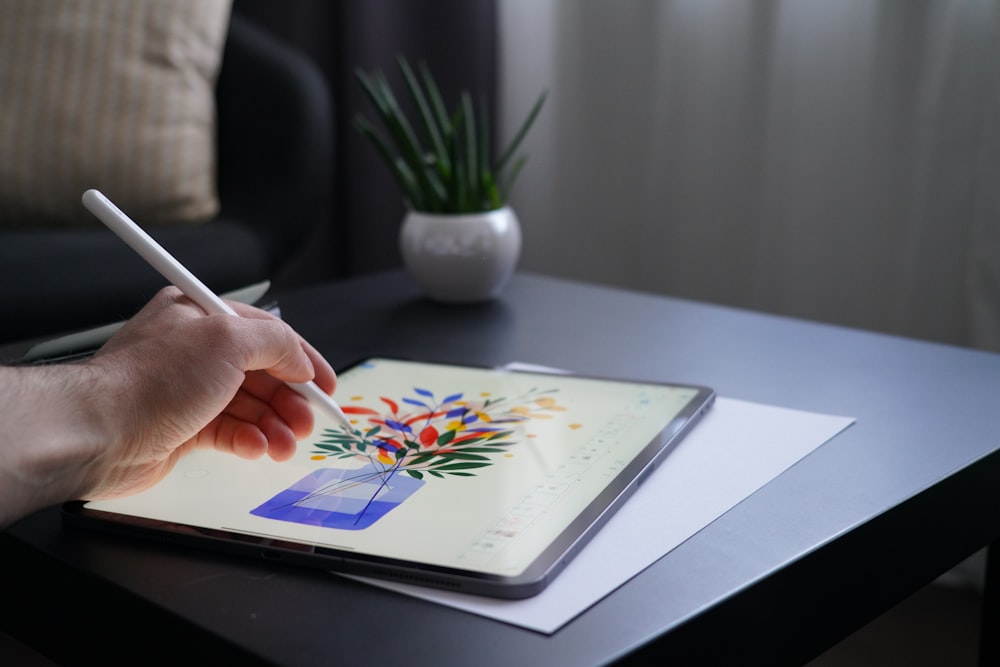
530 582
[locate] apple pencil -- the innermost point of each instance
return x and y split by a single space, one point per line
194 289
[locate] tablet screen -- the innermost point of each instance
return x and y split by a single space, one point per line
482 471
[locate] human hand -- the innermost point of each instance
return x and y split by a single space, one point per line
176 379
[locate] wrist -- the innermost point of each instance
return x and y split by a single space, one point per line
56 431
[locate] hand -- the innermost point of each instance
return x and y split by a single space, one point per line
176 379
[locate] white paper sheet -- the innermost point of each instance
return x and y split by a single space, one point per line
737 448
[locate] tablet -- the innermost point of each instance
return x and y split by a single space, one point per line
479 480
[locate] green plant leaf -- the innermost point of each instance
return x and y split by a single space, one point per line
519 136
400 172
471 157
491 192
437 103
455 175
415 474
430 121
459 183
410 151
373 93
514 172
488 193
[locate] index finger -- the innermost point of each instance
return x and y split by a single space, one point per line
324 377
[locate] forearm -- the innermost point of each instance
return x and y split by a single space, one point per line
51 431
172 380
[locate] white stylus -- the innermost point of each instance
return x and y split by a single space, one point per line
180 277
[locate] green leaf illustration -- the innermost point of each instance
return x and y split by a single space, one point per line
459 466
464 456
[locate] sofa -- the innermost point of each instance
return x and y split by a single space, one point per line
273 150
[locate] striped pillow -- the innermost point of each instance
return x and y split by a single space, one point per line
110 94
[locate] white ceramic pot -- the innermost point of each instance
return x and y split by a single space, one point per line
461 258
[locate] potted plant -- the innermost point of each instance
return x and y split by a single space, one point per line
459 239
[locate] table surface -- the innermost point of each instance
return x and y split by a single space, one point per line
853 528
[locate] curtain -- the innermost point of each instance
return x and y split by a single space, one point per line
457 39
829 159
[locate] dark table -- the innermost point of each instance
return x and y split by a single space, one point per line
878 512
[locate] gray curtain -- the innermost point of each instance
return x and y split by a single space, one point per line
830 159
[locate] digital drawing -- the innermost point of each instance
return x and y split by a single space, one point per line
402 443
349 499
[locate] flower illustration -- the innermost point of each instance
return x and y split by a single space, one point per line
417 435
421 436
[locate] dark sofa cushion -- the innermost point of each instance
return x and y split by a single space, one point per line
96 279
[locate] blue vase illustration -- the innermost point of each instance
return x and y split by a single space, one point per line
348 499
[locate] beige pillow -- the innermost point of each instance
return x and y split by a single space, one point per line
117 95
